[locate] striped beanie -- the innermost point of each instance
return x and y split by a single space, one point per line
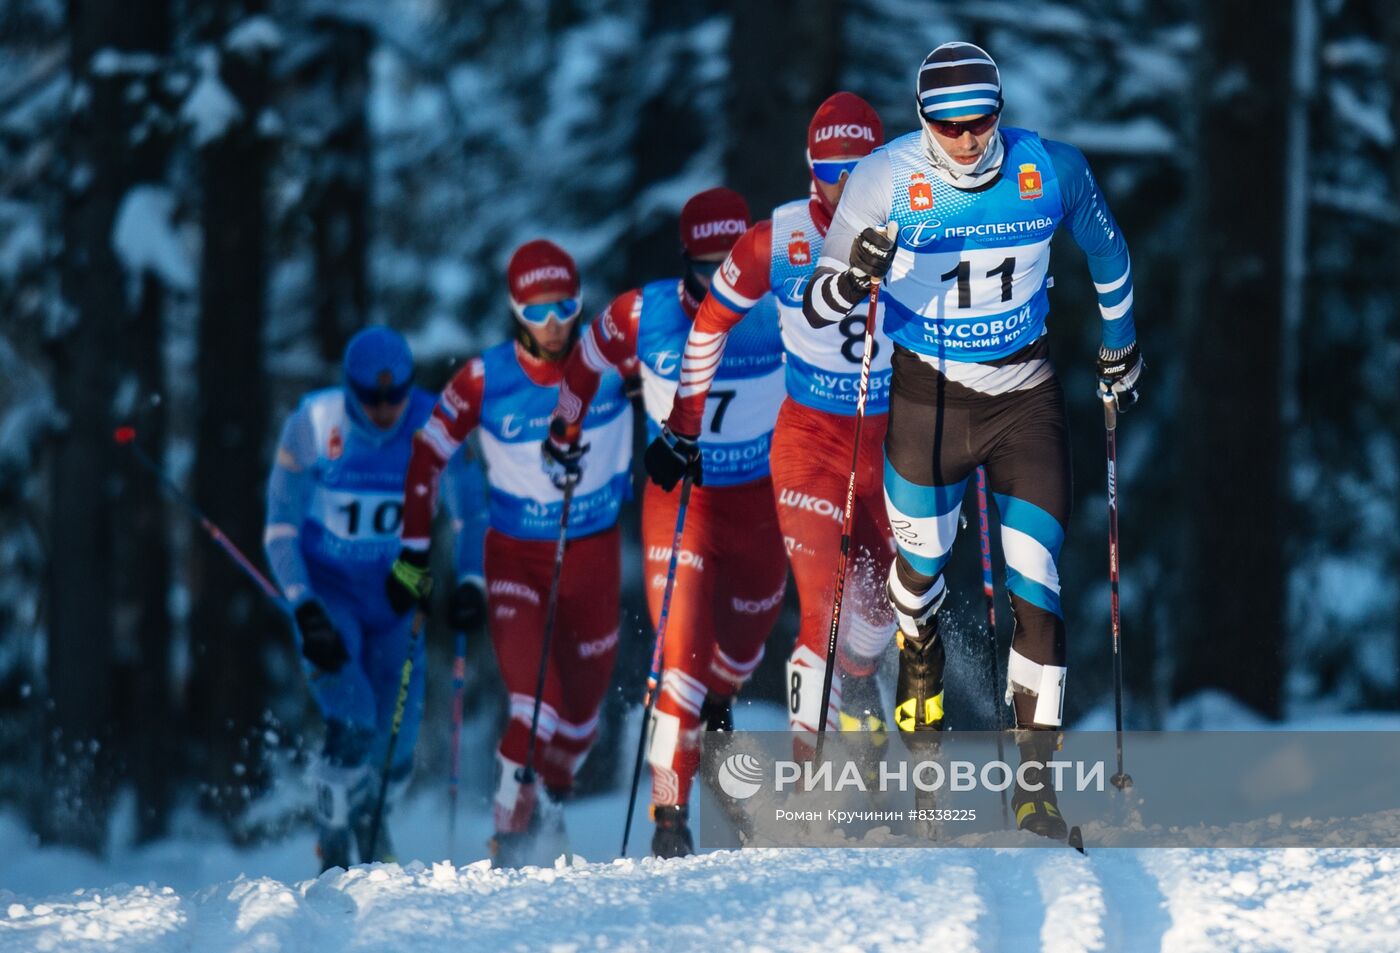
958 79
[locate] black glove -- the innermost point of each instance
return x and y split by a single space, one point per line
409 581
670 457
468 606
320 642
1119 370
872 253
562 454
632 386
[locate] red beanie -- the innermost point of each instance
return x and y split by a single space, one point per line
712 221
541 268
844 125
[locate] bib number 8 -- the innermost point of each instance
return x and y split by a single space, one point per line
852 328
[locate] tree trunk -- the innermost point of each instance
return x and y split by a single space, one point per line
1392 74
108 156
773 90
340 210
1233 634
142 568
233 628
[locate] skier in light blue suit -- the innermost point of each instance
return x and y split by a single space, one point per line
334 505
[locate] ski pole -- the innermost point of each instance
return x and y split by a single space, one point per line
847 518
658 655
989 590
1122 780
525 774
459 684
126 436
404 678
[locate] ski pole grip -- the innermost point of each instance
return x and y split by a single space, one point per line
1110 411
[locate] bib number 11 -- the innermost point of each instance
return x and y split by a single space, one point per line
962 274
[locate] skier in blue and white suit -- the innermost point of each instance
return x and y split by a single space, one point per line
334 506
956 220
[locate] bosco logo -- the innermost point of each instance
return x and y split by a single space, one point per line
740 776
920 193
799 251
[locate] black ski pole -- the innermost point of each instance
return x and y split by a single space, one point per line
847 518
657 659
525 774
1122 780
126 436
989 590
407 675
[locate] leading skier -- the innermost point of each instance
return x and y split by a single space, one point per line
955 220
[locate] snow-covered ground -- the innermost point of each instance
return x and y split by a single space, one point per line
196 893
199 896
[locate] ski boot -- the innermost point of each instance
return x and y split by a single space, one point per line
511 850
333 848
361 823
918 696
336 788
861 708
551 837
717 713
672 836
918 707
1037 811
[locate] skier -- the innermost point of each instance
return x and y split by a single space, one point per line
333 512
777 256
731 574
955 220
509 392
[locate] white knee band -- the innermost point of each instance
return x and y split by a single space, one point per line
912 609
805 674
1046 683
863 639
335 787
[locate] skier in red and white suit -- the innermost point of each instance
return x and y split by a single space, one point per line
812 442
730 574
509 392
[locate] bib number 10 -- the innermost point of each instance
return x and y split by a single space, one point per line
385 518
962 274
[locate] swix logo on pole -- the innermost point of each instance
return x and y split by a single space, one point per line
845 130
1112 484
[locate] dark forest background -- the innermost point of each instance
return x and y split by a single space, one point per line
201 200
